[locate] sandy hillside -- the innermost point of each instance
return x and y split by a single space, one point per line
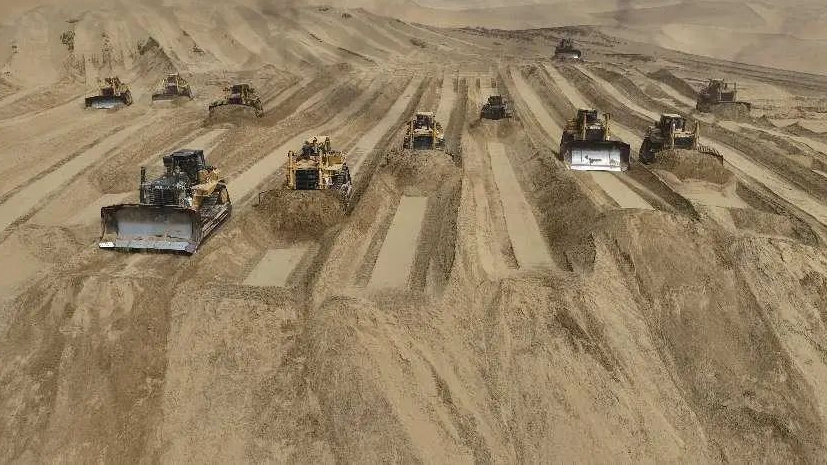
478 302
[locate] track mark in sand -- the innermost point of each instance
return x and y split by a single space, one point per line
821 173
741 162
27 198
92 212
320 95
620 192
526 239
275 267
771 181
624 196
285 94
243 184
673 93
393 267
447 98
574 96
368 142
617 95
547 122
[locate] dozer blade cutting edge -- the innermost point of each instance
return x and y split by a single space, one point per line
597 155
104 103
133 227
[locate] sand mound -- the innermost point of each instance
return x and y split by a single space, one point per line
301 213
690 164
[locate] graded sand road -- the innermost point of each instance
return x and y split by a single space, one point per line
393 266
526 239
622 194
738 161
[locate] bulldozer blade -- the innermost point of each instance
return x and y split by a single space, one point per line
165 97
597 155
104 103
133 227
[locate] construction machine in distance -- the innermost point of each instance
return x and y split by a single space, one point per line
171 88
318 167
720 94
672 132
240 94
111 93
177 210
566 51
586 145
423 132
496 107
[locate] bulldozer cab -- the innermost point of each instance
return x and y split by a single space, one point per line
191 162
495 100
672 123
589 116
424 120
240 90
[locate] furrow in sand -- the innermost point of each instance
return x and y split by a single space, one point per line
368 142
615 93
742 163
622 194
393 267
243 184
447 97
285 94
27 198
527 241
474 183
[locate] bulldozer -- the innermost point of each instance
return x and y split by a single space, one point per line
318 167
112 93
672 132
720 94
496 107
240 94
171 88
423 132
585 144
566 51
176 211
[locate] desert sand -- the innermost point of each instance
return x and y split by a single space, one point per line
480 303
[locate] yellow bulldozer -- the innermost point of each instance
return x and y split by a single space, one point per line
171 88
111 93
242 95
176 211
586 145
317 166
424 132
